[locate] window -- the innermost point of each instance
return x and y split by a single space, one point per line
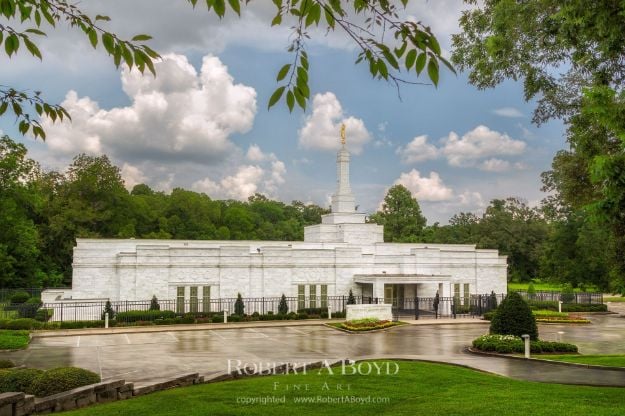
467 293
324 296
313 295
193 299
301 296
180 299
456 292
206 299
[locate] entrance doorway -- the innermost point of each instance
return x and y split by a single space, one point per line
394 294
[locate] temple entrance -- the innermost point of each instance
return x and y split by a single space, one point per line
394 294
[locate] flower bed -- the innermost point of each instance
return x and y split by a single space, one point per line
506 344
366 324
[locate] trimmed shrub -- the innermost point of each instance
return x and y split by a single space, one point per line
6 364
82 324
19 297
492 301
22 323
234 318
14 340
239 306
488 316
18 379
134 316
218 319
154 305
514 317
44 315
62 379
283 307
313 311
108 308
505 344
351 300
584 307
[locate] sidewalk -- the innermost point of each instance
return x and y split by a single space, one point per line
231 325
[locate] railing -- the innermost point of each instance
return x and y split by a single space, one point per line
594 298
211 310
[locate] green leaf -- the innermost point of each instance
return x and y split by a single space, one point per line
275 96
290 100
383 69
141 38
410 58
102 17
283 72
236 6
276 20
11 44
36 32
299 97
433 71
3 107
32 48
109 43
220 7
93 37
420 62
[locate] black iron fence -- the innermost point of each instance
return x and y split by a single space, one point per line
298 307
593 298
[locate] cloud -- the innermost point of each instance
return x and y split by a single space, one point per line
255 154
417 150
179 114
425 188
508 112
132 176
321 128
495 165
477 144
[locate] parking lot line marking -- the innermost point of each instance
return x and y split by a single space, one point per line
220 336
173 336
258 332
127 339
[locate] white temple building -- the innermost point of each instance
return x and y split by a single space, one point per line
342 253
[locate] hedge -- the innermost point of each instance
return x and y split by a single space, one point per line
505 344
18 379
6 364
133 316
20 323
62 379
19 297
568 307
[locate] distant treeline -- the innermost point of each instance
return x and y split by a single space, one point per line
43 212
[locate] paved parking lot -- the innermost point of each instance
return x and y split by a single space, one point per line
145 357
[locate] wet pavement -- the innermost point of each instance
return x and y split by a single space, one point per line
146 357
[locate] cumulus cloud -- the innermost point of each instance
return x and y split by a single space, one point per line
478 144
510 112
321 128
425 188
495 165
179 114
132 175
417 150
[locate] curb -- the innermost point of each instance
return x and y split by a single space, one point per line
544 360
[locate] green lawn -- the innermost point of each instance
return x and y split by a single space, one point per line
610 360
417 389
614 298
546 286
13 340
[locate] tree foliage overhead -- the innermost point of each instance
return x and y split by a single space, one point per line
394 47
570 57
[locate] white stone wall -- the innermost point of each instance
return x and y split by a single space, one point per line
137 269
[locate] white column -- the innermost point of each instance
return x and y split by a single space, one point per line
343 200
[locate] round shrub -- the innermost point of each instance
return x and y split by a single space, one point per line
62 379
6 364
514 317
20 297
18 379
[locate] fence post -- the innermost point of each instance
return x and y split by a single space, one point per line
61 311
263 307
416 308
479 302
106 320
453 306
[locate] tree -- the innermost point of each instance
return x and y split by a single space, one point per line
283 307
514 317
108 308
394 48
239 306
570 56
351 300
400 215
154 305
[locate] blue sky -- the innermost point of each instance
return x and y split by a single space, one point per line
203 124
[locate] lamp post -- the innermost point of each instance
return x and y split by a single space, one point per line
526 338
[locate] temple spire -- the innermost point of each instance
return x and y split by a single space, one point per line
343 199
